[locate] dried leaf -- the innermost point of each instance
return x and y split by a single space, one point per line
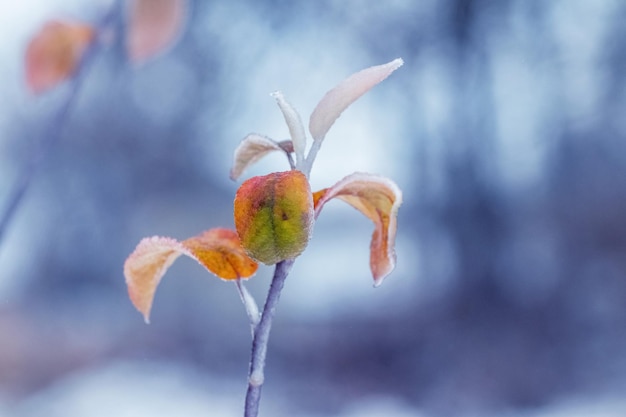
154 26
379 199
274 215
54 52
218 250
345 93
145 267
254 147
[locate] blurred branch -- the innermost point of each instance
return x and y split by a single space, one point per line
53 135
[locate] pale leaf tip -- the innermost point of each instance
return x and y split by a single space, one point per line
380 275
379 280
396 63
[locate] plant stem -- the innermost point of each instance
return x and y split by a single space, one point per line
54 133
249 304
261 337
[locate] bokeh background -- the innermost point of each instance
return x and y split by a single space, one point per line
506 130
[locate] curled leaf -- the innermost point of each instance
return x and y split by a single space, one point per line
153 27
145 267
54 52
294 123
345 93
274 215
254 147
379 199
218 250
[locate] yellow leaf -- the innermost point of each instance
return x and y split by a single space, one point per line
154 25
218 250
54 52
379 199
274 216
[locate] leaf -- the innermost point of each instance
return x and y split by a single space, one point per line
145 267
274 216
54 52
218 250
379 199
254 147
154 26
345 93
294 123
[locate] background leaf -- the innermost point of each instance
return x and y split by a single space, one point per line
54 52
154 26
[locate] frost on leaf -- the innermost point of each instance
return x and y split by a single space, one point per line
379 199
54 52
154 25
218 250
254 147
274 216
294 123
345 93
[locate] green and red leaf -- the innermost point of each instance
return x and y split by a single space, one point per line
54 52
378 198
218 250
274 216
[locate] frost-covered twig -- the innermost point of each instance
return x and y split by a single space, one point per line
261 337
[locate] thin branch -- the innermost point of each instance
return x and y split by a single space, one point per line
58 123
308 163
292 164
261 338
248 302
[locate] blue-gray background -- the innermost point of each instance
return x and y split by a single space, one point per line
505 129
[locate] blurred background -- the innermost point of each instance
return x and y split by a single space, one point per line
505 128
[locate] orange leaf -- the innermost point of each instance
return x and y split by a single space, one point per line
54 52
154 26
218 250
379 199
254 147
274 216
